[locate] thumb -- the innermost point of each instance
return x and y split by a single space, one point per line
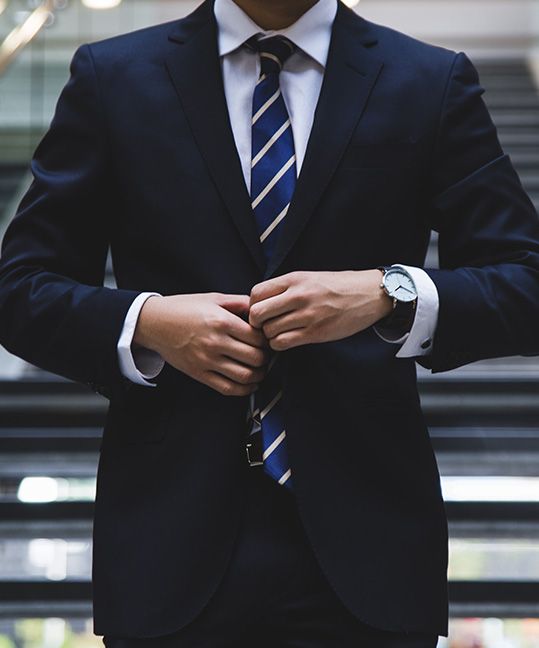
236 304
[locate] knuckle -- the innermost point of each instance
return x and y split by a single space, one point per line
255 292
278 344
245 376
255 314
269 330
259 358
311 315
227 389
301 299
206 359
220 323
212 344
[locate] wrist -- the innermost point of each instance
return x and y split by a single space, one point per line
384 303
147 324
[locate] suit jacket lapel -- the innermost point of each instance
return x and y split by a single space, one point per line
351 73
194 68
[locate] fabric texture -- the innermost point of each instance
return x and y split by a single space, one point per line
401 144
273 594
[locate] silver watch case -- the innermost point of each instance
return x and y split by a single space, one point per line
399 285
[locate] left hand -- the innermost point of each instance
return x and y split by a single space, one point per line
308 307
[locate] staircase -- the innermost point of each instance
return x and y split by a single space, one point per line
483 420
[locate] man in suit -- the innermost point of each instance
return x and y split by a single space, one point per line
267 175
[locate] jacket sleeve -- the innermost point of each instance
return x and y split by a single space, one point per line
54 311
488 281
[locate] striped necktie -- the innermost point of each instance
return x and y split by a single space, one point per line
273 181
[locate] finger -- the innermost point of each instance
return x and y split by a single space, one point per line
270 308
236 304
246 354
289 340
289 322
244 332
227 387
270 288
238 372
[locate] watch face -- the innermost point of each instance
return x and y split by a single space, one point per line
400 286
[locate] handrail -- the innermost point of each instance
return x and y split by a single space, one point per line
24 33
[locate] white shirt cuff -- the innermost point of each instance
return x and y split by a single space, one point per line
138 364
418 341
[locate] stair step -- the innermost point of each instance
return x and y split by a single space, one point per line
78 465
505 86
516 120
512 101
518 138
47 439
526 158
503 68
530 180
49 404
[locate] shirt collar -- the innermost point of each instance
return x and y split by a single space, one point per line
311 33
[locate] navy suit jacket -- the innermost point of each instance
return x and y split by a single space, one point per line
140 157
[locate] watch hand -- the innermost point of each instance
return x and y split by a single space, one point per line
407 290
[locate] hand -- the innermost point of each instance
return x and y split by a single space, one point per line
205 336
307 307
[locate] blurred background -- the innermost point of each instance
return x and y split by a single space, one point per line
483 419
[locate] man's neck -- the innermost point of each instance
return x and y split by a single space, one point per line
275 14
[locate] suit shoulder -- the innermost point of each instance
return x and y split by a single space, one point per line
395 45
142 44
149 44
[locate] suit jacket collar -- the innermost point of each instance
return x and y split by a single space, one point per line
351 74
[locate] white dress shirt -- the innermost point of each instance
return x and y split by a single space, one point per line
301 82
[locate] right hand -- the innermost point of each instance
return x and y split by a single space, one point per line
205 336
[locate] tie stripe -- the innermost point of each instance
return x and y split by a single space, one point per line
285 477
266 105
269 407
274 445
273 181
270 143
272 57
273 225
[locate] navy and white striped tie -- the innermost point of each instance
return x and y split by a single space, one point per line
273 181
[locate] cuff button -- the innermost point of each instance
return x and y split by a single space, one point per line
426 344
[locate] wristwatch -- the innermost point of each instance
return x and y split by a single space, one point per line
400 287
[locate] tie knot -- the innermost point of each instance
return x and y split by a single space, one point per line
274 52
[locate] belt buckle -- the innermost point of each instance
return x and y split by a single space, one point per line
253 444
254 454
